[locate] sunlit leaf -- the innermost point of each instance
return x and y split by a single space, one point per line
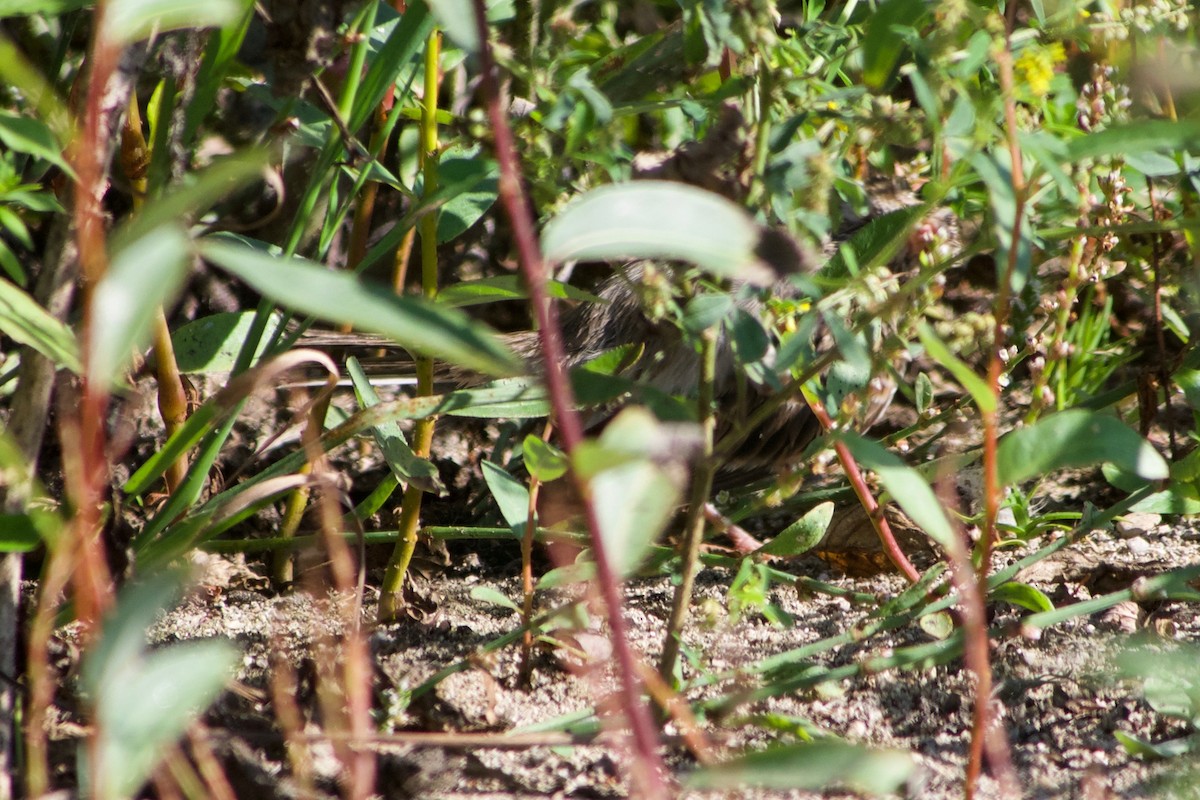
416 324
127 21
657 219
142 277
1076 438
802 535
810 765
906 486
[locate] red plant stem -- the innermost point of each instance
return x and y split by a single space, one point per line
91 579
649 772
986 735
890 546
992 490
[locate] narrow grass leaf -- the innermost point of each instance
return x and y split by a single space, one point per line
26 322
906 487
657 219
141 278
416 324
127 21
1076 438
810 765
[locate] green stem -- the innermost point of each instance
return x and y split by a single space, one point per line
391 592
694 527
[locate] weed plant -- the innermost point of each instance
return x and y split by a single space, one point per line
1033 256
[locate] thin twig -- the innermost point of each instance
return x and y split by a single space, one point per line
648 775
874 512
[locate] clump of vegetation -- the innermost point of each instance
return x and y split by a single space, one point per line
834 204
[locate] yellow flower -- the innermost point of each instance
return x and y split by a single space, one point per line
1036 65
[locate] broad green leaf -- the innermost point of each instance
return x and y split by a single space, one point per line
145 700
159 694
634 495
32 136
810 765
26 322
543 460
1023 595
706 310
881 46
1076 438
996 173
142 277
657 219
509 493
404 463
1135 137
127 21
457 19
18 534
976 386
876 242
906 487
460 212
415 324
802 535
923 393
211 344
633 501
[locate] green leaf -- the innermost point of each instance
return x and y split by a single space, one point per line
127 21
802 535
1023 595
706 310
543 460
657 219
18 534
1076 438
26 322
488 594
32 136
881 46
906 486
23 8
976 386
810 765
1135 137
504 287
142 278
211 344
404 463
923 392
148 709
413 323
146 700
510 495
876 242
459 167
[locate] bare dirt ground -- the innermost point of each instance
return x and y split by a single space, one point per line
479 734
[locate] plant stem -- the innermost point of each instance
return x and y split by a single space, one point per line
694 526
391 597
648 771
